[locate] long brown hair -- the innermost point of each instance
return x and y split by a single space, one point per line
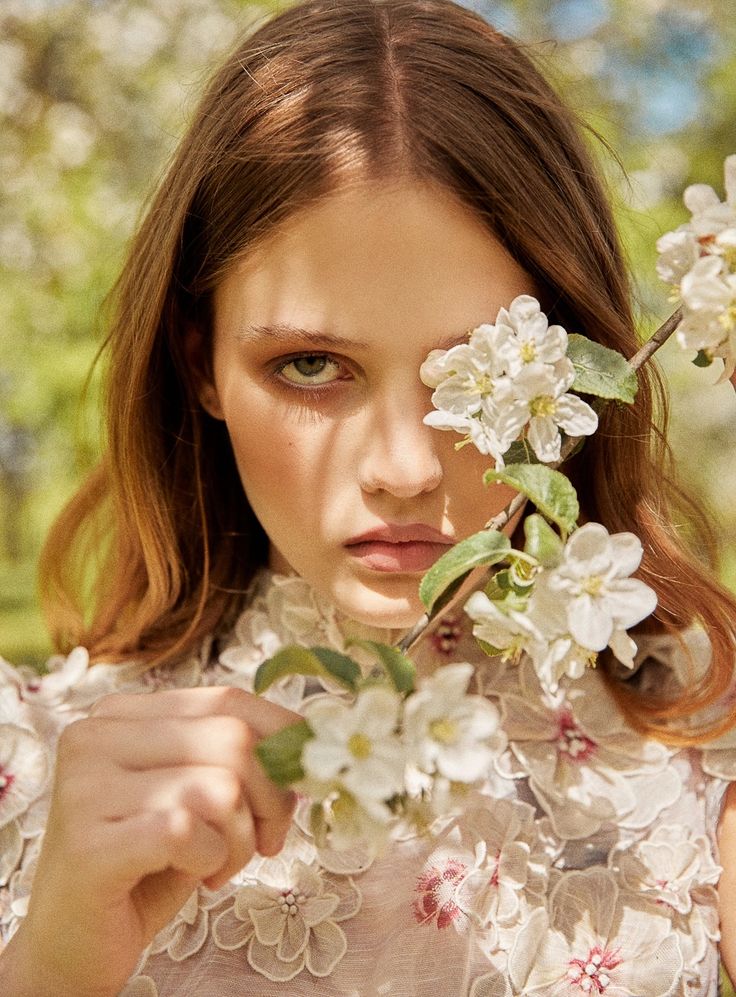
161 533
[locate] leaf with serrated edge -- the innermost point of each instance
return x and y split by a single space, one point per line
542 542
281 753
551 492
294 660
486 547
397 666
601 371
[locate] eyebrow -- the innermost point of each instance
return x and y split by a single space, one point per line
283 331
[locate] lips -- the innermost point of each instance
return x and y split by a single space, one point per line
399 548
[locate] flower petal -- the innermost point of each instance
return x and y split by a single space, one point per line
590 623
229 931
327 946
575 416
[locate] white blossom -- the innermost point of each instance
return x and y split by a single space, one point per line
593 579
509 376
699 260
450 732
531 340
710 215
678 252
709 320
355 753
584 604
547 407
510 631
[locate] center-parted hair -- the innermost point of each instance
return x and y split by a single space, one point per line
330 93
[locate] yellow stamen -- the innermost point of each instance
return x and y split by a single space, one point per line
544 405
359 746
593 585
528 351
444 731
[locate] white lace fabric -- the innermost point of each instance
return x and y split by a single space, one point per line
586 864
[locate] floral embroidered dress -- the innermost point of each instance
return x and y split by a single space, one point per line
585 864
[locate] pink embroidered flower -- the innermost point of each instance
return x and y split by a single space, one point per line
436 890
509 874
594 940
586 767
24 770
676 870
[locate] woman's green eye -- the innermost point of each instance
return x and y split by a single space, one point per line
310 369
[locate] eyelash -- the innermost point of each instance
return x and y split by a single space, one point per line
311 355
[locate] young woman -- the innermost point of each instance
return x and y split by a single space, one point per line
363 183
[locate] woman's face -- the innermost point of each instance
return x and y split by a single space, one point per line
318 340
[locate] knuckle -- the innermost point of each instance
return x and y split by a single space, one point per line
230 699
225 791
110 705
236 737
78 738
175 826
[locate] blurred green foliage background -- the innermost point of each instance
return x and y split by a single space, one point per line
95 93
93 96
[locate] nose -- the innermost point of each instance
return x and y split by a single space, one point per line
400 456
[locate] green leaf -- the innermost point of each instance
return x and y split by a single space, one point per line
542 542
486 547
489 649
520 452
601 371
703 359
339 667
549 490
397 666
321 661
281 753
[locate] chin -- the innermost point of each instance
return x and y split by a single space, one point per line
373 607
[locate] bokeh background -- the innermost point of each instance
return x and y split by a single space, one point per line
95 93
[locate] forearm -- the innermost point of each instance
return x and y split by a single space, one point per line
727 885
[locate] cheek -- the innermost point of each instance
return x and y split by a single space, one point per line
283 462
471 503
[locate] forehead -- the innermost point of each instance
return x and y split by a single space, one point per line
373 261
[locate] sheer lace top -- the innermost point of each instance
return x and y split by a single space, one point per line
585 864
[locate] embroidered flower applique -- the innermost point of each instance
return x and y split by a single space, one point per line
14 899
493 984
510 873
595 939
585 766
677 871
435 900
25 767
140 986
187 932
289 920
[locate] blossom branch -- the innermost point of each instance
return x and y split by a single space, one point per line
479 576
659 338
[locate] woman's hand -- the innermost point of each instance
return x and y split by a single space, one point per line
153 794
